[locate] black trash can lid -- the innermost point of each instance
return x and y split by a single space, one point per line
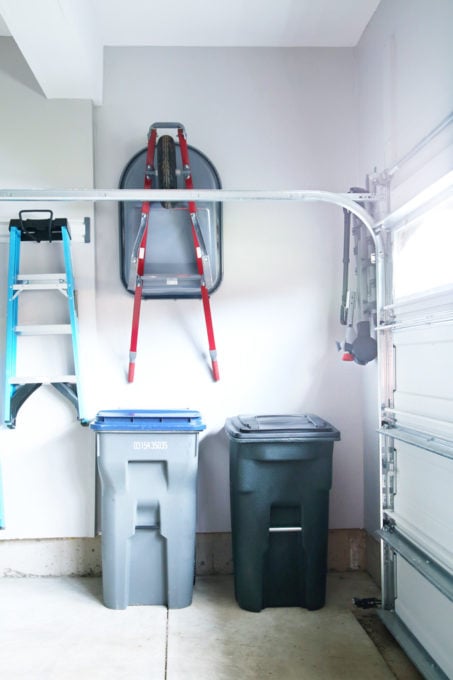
301 426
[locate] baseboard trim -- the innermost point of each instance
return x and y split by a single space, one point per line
51 557
82 556
373 558
346 550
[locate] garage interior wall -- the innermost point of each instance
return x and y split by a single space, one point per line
267 118
48 461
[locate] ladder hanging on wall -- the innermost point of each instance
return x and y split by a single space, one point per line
166 176
19 388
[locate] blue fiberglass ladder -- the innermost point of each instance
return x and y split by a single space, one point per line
18 389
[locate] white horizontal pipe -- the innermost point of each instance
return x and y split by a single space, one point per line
216 195
207 195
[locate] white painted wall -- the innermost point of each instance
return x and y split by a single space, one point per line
405 89
267 118
48 460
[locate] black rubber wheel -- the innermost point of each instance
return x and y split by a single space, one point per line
166 165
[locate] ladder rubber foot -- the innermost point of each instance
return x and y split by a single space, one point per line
215 371
131 374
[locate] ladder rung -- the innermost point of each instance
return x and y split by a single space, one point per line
44 329
42 277
55 285
169 279
27 282
19 388
44 379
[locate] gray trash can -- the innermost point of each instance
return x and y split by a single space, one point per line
147 463
280 478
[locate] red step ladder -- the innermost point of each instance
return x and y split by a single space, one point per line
200 253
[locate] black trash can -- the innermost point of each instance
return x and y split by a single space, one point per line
280 479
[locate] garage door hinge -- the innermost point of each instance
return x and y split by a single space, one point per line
388 524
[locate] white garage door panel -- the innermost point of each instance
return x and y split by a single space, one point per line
416 362
428 413
422 504
424 360
427 613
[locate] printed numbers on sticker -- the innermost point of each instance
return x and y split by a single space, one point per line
155 445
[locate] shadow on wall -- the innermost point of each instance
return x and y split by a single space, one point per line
14 65
213 510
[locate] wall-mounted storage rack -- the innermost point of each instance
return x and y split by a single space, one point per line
80 230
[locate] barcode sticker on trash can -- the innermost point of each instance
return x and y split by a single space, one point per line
150 445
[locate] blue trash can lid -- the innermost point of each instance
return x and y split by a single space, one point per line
155 420
301 426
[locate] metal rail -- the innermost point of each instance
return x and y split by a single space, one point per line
419 146
348 201
217 195
432 443
424 662
421 203
423 562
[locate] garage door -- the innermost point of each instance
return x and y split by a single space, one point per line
416 436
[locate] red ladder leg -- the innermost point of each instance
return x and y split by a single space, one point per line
204 291
141 256
137 306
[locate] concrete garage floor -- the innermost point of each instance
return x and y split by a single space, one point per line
58 629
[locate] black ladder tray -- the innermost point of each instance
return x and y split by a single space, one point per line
170 264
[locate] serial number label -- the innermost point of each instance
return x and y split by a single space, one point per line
150 446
